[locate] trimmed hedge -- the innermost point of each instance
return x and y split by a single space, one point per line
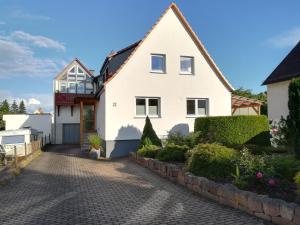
173 153
234 130
212 161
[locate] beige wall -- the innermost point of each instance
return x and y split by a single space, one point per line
278 100
135 79
245 111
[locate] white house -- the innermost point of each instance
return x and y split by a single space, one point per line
278 84
168 76
39 122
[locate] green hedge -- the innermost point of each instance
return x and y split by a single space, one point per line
212 161
234 130
172 153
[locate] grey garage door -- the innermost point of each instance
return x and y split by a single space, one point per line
71 133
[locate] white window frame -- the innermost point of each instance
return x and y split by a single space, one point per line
78 67
147 107
196 107
163 56
193 65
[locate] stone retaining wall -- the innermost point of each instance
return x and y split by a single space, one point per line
275 210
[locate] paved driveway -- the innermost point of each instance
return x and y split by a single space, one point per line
62 187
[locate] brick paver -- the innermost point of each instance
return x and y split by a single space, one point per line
61 187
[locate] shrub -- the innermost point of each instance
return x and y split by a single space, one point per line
259 149
212 160
149 133
95 141
190 140
149 151
294 113
234 130
285 167
297 181
173 153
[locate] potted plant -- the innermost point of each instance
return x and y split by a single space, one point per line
95 146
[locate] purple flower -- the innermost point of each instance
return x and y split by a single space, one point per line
259 175
271 182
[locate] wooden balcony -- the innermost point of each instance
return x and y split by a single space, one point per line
68 99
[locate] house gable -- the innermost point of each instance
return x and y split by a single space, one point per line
173 9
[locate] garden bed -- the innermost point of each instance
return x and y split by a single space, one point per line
262 206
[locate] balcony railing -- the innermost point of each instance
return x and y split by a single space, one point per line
69 98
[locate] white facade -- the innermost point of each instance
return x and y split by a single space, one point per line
170 38
39 122
278 96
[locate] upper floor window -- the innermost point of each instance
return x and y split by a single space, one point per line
186 65
197 107
147 107
158 63
75 80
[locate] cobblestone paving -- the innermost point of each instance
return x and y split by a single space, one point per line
63 187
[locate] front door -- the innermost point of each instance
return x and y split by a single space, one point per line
88 118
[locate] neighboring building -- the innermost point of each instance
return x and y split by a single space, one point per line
74 102
39 122
168 76
278 84
18 138
245 106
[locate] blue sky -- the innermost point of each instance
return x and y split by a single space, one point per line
247 39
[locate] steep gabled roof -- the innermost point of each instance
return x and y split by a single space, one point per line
193 35
67 67
287 69
115 60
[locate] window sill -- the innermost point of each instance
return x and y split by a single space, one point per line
181 73
159 72
196 116
143 117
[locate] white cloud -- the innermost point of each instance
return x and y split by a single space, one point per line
17 58
20 14
286 39
32 100
39 41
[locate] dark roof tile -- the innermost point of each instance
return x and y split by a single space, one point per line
287 69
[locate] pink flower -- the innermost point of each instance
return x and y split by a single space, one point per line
259 175
271 182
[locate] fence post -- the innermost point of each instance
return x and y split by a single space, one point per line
49 139
25 149
16 157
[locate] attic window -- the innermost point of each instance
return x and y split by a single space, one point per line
158 63
80 70
72 70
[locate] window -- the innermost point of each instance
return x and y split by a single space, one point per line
186 65
72 87
89 88
197 107
72 70
158 63
14 139
79 70
147 106
72 77
63 87
80 88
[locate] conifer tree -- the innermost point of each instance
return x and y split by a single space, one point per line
14 108
22 108
149 135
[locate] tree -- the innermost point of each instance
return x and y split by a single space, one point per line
14 108
149 135
22 108
4 109
294 114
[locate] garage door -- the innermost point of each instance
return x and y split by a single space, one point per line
71 133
